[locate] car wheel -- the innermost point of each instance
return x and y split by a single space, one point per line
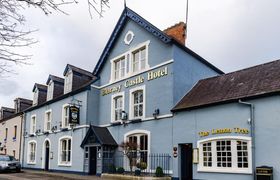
18 170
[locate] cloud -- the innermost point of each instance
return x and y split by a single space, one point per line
8 87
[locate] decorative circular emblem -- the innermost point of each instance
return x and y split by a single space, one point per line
128 37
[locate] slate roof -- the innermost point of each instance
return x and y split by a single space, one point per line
84 87
41 87
129 14
78 70
55 79
103 135
261 80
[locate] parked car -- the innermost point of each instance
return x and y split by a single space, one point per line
9 163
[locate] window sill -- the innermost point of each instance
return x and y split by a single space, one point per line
65 165
230 171
31 163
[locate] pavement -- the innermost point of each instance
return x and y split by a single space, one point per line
43 175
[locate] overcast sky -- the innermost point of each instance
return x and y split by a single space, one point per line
230 34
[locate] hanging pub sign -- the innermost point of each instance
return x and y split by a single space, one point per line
74 115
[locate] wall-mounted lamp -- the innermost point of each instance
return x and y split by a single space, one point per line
124 116
156 113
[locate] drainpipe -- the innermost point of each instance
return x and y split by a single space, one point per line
23 128
252 129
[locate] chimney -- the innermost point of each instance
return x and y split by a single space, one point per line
177 32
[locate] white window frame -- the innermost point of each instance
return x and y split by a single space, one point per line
63 116
113 106
33 125
113 64
68 82
128 62
50 90
48 120
139 133
60 163
234 168
29 151
131 107
35 96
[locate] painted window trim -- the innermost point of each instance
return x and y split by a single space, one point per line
131 91
45 121
50 90
68 81
63 116
59 163
28 152
147 66
35 97
140 131
201 168
31 124
126 41
128 61
113 61
113 106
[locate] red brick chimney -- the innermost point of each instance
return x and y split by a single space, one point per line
178 32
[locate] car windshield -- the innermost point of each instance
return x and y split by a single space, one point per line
6 158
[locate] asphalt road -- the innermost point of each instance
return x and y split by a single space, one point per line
42 176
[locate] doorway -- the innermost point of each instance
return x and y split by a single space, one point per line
186 162
47 155
92 160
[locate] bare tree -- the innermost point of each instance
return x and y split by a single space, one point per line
13 37
130 151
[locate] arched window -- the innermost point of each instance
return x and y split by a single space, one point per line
142 139
225 154
31 152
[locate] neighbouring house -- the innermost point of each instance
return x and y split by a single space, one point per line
231 124
58 121
11 122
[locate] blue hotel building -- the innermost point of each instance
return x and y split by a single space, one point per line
150 89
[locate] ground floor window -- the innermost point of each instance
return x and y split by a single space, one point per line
141 152
225 154
32 152
65 146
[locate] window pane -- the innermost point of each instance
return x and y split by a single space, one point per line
242 154
223 149
207 155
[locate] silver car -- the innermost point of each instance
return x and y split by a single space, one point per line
9 163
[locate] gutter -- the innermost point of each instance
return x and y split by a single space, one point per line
252 129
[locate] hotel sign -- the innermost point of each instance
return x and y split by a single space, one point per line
224 131
138 80
74 115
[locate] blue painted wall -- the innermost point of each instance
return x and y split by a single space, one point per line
187 72
77 135
187 124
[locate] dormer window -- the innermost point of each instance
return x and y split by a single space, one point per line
68 82
50 90
35 97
